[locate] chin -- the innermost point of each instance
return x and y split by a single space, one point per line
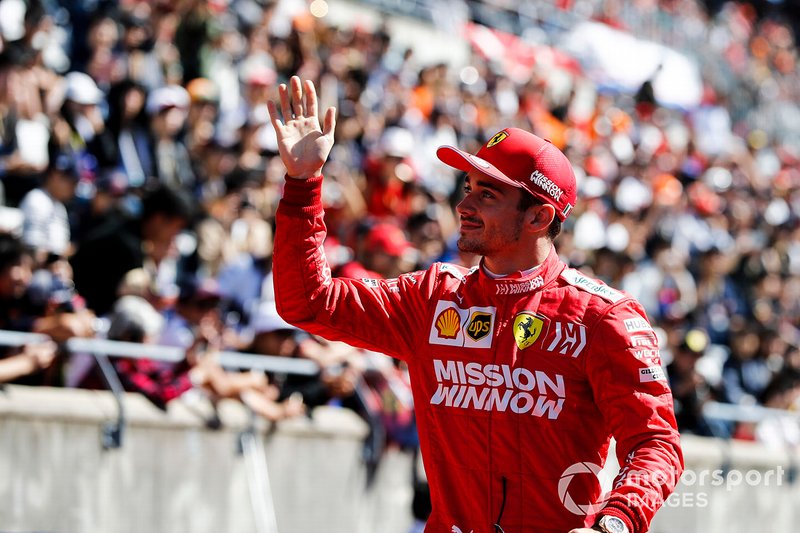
470 246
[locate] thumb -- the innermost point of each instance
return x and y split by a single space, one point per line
329 124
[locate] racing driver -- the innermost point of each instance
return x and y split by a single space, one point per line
522 369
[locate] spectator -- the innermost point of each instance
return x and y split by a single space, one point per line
127 134
46 227
38 304
690 390
781 432
385 253
80 127
746 373
168 109
125 245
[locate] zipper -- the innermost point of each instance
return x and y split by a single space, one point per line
497 527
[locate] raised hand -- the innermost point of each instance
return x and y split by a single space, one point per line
302 144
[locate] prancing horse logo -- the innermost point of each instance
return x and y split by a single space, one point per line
527 328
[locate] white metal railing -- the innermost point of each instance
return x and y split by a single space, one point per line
249 444
170 354
745 413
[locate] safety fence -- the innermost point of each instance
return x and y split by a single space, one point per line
112 431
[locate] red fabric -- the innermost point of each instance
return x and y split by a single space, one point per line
160 382
514 380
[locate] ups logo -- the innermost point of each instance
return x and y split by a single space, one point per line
480 325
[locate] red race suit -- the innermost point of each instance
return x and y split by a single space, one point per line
519 383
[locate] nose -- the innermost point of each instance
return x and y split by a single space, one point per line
466 205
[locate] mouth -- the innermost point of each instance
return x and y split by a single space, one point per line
469 224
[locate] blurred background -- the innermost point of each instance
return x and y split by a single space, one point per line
140 179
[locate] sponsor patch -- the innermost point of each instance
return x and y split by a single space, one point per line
477 386
520 288
497 138
634 324
574 277
527 328
651 373
371 283
468 328
547 185
644 339
480 325
569 339
448 323
446 268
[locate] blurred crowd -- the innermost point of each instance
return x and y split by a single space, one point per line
140 179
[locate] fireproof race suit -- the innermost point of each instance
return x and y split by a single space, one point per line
518 383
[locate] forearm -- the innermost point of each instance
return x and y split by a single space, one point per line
15 367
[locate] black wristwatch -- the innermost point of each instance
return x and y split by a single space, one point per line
612 524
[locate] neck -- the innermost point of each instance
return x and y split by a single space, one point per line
519 262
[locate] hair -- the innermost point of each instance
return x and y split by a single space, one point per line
169 202
527 200
12 251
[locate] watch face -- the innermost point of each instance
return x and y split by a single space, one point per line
612 524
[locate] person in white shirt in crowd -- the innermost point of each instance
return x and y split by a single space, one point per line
46 224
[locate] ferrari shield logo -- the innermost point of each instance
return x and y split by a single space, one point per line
527 328
496 139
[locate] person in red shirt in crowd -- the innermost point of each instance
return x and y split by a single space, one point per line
382 254
522 369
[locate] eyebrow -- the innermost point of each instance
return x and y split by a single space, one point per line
486 184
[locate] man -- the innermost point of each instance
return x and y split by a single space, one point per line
522 369
46 226
110 251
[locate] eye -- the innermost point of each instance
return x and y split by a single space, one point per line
487 194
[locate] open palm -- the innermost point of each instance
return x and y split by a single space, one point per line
302 144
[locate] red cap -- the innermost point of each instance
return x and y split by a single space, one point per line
388 238
523 160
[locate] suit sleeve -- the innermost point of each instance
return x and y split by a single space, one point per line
632 392
379 315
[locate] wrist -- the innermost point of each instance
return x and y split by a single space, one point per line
303 193
611 523
307 176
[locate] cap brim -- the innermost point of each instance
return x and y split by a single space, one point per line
465 162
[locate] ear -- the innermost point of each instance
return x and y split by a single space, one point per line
539 217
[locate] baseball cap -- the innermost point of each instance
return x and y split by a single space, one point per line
196 289
523 160
266 320
82 89
64 163
388 238
202 90
167 97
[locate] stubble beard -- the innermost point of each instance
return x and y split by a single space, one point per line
485 246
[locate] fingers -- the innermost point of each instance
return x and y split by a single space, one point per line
330 122
311 99
273 115
283 96
297 96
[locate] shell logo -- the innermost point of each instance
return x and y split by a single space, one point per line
448 323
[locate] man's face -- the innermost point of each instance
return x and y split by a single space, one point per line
491 222
16 278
